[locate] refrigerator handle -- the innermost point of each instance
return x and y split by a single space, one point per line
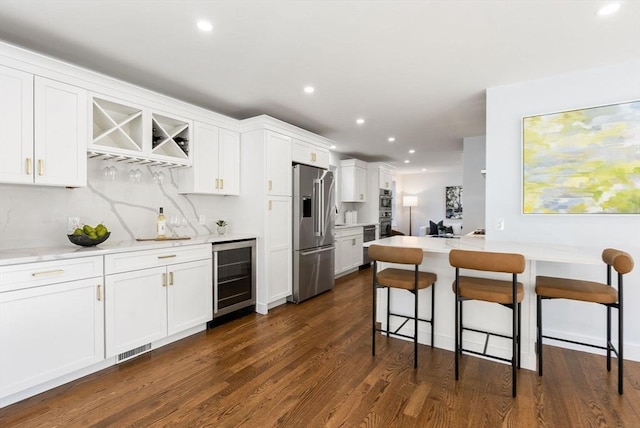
322 219
317 217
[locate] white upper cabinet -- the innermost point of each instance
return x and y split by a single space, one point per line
310 154
121 128
16 126
278 164
216 162
385 178
43 131
353 180
229 162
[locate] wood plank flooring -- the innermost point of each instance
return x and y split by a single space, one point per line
310 365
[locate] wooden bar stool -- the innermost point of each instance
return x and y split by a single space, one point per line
588 291
506 293
410 280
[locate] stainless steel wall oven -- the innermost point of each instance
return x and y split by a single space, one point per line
386 201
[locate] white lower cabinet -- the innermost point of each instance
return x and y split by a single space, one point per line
348 248
161 293
50 325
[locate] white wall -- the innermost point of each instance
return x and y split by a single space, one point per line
506 105
473 183
430 189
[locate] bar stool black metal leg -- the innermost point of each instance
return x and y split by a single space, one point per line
519 333
608 338
539 338
620 335
433 306
388 309
415 324
373 312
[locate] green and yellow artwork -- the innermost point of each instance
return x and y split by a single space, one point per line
583 161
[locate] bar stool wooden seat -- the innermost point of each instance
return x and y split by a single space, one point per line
588 291
505 293
410 280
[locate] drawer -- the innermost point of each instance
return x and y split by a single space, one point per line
349 232
134 260
16 277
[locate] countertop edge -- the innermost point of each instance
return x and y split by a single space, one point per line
17 256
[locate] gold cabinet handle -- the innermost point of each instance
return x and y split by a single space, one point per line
170 278
47 273
217 184
361 196
313 157
270 185
222 183
164 279
40 167
353 241
168 256
270 205
29 166
99 292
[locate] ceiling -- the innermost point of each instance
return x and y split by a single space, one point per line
414 70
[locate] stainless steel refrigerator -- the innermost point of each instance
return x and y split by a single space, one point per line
313 237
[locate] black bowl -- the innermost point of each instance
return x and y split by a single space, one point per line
85 241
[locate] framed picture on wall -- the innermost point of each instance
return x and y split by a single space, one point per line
453 202
584 161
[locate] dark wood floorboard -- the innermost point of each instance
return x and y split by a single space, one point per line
310 365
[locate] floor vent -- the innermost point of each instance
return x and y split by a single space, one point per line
134 352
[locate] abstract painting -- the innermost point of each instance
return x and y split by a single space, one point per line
583 161
453 202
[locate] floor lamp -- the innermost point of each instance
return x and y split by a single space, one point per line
410 201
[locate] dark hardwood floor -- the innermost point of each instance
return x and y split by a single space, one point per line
310 365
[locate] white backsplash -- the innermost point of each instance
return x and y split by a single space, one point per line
36 216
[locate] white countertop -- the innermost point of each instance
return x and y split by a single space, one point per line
532 251
344 225
29 255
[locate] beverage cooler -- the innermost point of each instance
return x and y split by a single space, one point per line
234 276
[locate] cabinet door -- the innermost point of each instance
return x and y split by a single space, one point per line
361 184
60 134
49 331
279 248
343 246
353 183
135 309
356 250
229 165
385 178
16 126
202 177
190 295
278 165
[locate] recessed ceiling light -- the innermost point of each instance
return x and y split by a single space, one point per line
424 169
205 25
309 89
412 151
360 121
609 9
333 146
391 139
406 161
